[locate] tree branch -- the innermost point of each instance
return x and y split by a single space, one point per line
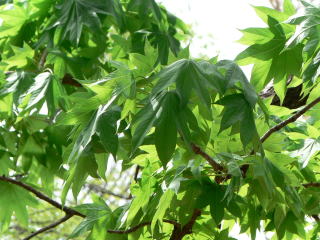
99 189
291 119
136 173
197 150
275 4
67 210
178 233
135 228
312 184
43 58
53 225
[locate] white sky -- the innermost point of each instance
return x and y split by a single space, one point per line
215 23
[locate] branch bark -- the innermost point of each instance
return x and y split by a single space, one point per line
135 228
53 225
216 166
312 184
179 233
67 210
99 189
291 119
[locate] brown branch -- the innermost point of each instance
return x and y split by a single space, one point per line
244 168
99 189
275 4
312 184
135 228
316 217
291 119
69 80
43 58
67 210
197 150
53 225
136 173
178 233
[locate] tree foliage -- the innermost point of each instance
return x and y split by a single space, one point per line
84 83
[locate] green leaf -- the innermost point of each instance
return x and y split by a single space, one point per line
94 212
288 7
238 110
107 130
38 90
84 167
13 20
233 75
254 221
74 15
19 58
310 147
256 36
142 194
217 204
17 83
164 204
189 76
265 13
166 129
86 134
308 24
14 199
145 120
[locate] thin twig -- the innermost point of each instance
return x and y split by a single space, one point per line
99 189
135 178
53 225
136 173
67 210
275 4
43 58
135 228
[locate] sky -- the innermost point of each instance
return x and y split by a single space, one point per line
215 23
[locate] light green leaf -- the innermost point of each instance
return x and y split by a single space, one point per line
142 195
19 58
14 199
310 147
164 204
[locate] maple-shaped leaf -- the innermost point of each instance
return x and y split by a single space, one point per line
14 199
238 110
77 14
